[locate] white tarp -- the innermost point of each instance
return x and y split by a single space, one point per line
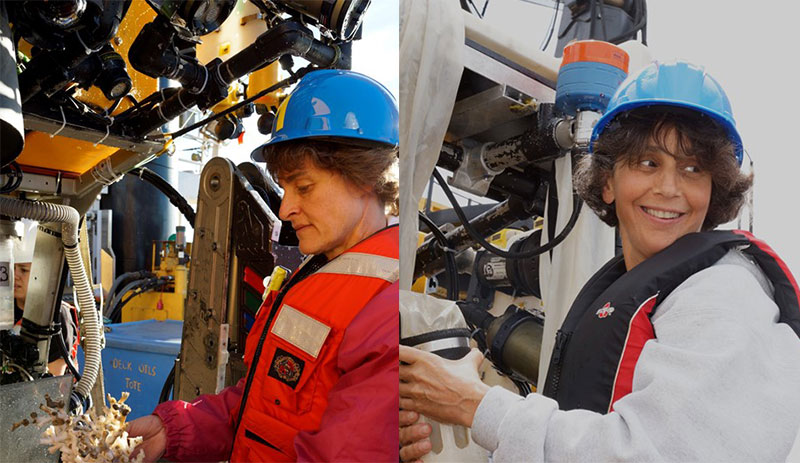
431 44
420 314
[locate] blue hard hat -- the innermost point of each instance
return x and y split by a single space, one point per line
338 106
678 84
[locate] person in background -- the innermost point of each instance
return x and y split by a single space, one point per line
685 347
322 354
23 256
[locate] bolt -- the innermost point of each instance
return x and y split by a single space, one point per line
201 232
214 183
213 246
194 294
197 391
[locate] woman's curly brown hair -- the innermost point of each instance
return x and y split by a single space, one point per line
698 136
373 168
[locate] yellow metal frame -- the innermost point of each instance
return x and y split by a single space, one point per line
161 304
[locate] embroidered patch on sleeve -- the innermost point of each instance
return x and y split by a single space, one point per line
286 368
300 330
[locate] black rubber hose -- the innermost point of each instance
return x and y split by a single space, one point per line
576 209
66 355
163 186
62 347
450 260
124 279
169 383
136 284
14 178
113 298
148 285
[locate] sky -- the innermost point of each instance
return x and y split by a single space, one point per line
751 50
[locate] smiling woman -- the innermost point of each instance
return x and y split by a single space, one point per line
685 347
660 173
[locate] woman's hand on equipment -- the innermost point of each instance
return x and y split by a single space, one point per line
154 442
414 437
448 391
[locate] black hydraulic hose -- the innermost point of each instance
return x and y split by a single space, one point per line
450 260
115 295
66 354
576 209
163 186
119 294
14 178
169 383
123 279
59 339
152 283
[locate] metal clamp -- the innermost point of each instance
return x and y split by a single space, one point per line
104 173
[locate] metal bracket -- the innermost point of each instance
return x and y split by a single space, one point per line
472 175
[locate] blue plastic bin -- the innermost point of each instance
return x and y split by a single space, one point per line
137 359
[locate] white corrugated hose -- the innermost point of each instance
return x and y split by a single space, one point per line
69 218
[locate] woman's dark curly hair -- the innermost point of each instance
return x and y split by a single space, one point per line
373 168
698 136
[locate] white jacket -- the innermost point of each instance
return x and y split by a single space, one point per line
721 382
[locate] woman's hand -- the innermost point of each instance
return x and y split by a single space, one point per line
154 435
414 437
447 391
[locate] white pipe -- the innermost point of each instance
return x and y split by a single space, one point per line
69 218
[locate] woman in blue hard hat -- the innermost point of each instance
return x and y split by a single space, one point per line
322 353
685 347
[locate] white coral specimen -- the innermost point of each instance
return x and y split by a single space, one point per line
88 437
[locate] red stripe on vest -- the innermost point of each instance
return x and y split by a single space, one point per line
765 247
640 330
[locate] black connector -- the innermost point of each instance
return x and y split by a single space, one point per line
155 54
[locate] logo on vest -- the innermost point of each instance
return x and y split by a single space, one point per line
286 368
605 311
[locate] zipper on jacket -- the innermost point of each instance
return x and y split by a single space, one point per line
300 275
558 353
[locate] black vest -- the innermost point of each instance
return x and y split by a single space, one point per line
597 347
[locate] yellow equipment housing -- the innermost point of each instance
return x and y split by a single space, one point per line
167 302
68 155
